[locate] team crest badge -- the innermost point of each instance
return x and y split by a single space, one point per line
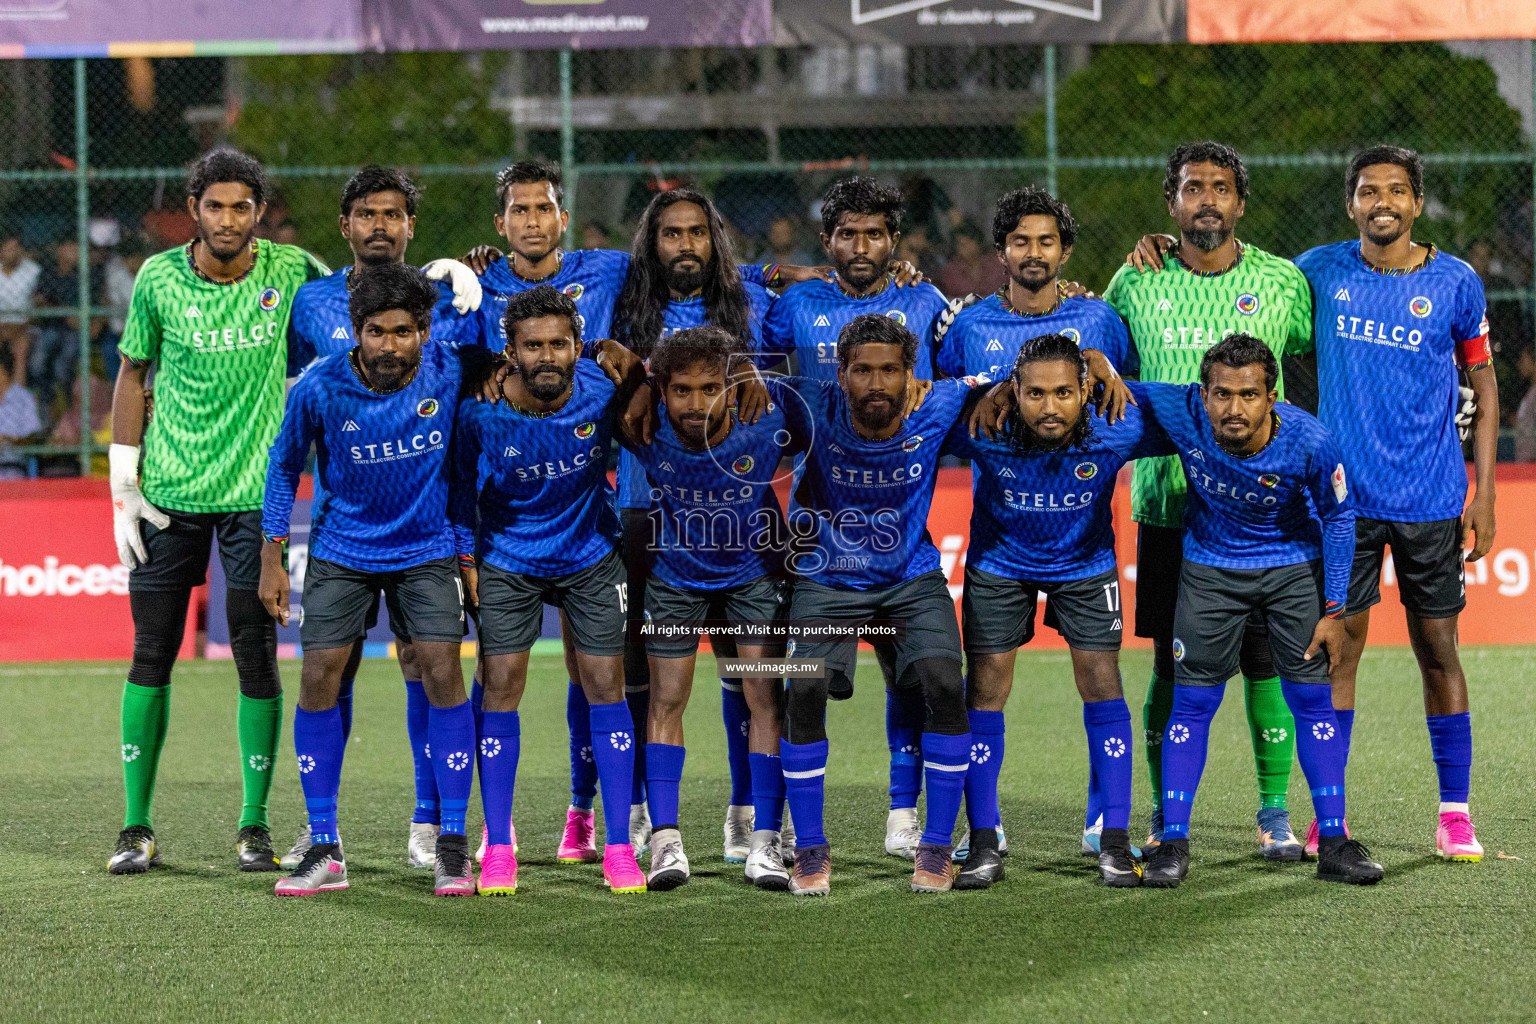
1270 479
743 465
585 430
427 407
574 290
1420 306
1178 649
1072 333
897 315
911 444
269 299
1247 304
1085 471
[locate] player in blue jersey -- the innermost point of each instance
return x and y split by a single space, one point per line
863 557
1269 528
1395 319
1041 523
534 523
861 228
381 419
378 218
1033 233
860 232
682 274
719 559
531 217
530 200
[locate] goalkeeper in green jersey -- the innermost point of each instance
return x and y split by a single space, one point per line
1209 285
212 319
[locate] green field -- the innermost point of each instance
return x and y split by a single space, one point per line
1240 941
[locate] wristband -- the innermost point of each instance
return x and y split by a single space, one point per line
466 561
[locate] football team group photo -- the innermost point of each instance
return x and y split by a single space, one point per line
669 444
726 511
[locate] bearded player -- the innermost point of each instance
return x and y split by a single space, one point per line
1041 524
861 230
378 220
212 319
1213 285
683 274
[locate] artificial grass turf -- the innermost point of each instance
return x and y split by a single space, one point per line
1241 940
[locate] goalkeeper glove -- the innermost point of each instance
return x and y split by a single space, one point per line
466 286
129 506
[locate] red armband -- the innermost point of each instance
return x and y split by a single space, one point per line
1475 353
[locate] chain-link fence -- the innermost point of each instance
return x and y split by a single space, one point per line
92 172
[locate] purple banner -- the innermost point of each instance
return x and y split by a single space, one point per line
550 24
126 25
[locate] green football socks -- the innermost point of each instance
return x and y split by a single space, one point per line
146 710
260 722
1274 738
1154 718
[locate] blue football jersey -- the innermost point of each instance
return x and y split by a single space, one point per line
1287 504
1388 348
321 325
382 463
591 277
1049 515
720 521
540 483
809 316
677 315
860 508
986 337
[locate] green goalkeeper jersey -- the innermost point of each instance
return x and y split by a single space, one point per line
1176 314
222 354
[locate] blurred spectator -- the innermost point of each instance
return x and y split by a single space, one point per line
18 418
784 248
1525 415
67 430
121 270
917 248
56 348
972 268
18 283
594 235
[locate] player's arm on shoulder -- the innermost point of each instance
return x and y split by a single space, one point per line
1149 252
1113 395
1141 435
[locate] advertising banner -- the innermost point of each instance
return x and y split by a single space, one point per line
168 28
551 24
976 22
63 593
1326 21
64 596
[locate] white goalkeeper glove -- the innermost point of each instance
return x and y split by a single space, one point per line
1466 408
947 316
466 286
129 506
